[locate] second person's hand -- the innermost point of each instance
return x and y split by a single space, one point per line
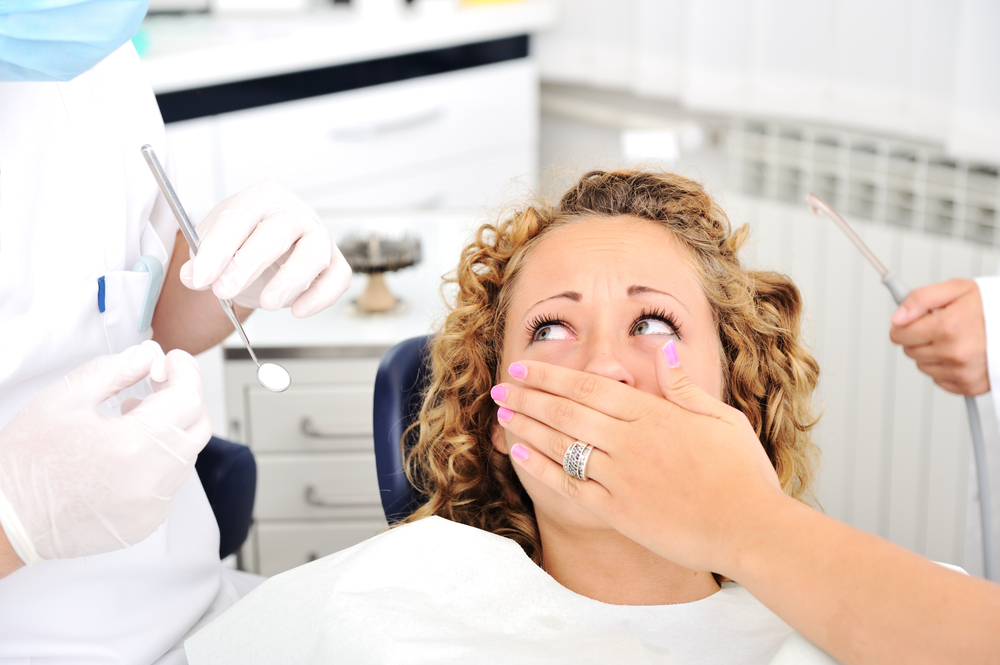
266 247
942 327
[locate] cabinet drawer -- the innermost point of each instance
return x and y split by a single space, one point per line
481 179
311 418
313 142
315 372
326 486
282 546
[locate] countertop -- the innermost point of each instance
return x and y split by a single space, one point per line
198 50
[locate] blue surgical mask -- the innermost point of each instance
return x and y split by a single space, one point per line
57 40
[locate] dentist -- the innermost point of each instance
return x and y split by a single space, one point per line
108 546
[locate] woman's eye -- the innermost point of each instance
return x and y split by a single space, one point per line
551 331
652 326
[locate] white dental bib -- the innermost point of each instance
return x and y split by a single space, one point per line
440 592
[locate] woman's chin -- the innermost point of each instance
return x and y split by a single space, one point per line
573 518
556 510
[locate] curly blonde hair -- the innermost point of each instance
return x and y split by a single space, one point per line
769 374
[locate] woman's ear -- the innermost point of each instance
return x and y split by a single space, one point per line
499 436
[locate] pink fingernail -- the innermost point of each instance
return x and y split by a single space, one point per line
670 351
517 370
498 393
519 451
899 315
504 414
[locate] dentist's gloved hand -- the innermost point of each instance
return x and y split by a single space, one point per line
265 247
74 482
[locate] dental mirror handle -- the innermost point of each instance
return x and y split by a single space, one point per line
187 228
190 235
227 306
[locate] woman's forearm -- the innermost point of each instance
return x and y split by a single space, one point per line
861 598
186 319
690 481
9 561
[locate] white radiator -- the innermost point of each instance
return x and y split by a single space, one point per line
896 448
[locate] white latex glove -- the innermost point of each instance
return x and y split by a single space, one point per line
265 247
74 482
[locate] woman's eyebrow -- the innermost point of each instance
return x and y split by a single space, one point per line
638 289
575 296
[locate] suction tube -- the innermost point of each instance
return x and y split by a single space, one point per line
899 293
983 478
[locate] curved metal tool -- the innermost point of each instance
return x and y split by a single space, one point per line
191 236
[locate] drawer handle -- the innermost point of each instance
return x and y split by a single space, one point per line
366 131
314 498
310 430
435 200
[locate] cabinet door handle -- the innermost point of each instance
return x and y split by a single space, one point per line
366 131
314 498
311 431
435 200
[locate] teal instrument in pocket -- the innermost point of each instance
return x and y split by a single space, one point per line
147 264
899 293
151 265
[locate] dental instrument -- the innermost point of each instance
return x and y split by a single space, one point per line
272 376
899 293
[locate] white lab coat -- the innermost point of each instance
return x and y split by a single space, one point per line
77 202
989 290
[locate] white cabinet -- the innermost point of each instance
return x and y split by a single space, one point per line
448 140
285 545
301 417
317 490
383 131
476 180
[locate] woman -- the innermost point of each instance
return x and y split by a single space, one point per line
627 262
697 492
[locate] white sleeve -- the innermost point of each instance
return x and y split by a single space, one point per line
989 291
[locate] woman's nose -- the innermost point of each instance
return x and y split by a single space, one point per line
605 358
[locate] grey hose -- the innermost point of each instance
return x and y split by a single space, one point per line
983 477
899 293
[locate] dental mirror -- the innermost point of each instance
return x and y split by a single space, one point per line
270 375
274 377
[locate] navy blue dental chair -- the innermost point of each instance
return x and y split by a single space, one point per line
402 376
228 472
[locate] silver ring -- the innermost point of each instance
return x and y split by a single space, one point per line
575 459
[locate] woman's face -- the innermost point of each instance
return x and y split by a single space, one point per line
603 296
